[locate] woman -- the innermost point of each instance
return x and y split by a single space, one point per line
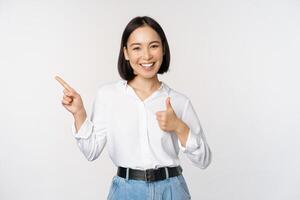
142 120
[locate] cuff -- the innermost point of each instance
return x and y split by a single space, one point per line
84 131
191 144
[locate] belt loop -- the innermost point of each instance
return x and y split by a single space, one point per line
167 172
180 169
127 173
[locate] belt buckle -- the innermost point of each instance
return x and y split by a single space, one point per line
149 175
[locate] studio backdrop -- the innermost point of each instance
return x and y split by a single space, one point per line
237 60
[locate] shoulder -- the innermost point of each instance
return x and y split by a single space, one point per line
111 86
179 100
177 96
110 90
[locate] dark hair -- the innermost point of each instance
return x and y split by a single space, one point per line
124 68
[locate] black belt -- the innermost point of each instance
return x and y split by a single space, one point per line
149 174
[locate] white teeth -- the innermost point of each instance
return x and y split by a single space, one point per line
147 65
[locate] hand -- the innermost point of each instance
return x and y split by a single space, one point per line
167 120
71 100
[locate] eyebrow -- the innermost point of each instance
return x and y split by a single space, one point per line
140 43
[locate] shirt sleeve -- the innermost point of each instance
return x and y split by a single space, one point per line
91 136
196 148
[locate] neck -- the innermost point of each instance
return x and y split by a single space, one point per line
145 84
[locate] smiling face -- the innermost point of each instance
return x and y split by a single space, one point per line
144 52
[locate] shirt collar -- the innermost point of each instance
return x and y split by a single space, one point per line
164 87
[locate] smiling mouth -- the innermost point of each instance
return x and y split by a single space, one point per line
147 65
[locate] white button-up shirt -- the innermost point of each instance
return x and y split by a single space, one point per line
128 127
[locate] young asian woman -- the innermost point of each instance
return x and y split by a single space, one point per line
143 121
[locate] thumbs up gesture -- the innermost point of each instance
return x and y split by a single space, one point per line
167 120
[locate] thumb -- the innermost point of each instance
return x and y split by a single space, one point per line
168 103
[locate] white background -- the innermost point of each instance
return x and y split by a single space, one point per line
237 60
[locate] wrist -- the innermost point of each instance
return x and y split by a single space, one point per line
182 132
81 114
181 127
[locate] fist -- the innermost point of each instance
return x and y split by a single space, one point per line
167 120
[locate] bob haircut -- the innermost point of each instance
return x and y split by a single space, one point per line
124 67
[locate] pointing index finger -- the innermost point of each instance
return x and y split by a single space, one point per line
63 83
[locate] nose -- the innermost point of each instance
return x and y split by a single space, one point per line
147 54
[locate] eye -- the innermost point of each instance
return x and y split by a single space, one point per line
155 46
136 48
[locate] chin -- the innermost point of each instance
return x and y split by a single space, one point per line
149 74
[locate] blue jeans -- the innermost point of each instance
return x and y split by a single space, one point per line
174 188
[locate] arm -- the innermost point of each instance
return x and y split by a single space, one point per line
91 136
79 118
191 138
182 131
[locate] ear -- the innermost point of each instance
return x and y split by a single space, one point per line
125 53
